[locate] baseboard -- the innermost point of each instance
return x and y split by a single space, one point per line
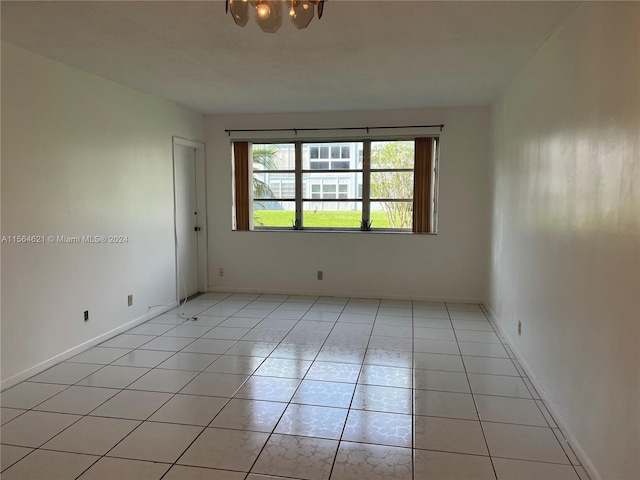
342 293
42 366
544 396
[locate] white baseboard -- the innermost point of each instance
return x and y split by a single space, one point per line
342 293
42 366
544 396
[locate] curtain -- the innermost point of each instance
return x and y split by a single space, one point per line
241 174
422 194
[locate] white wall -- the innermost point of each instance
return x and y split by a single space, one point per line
81 156
450 265
565 246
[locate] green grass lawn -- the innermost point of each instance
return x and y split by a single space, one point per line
327 219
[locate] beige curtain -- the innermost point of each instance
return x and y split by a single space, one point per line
422 195
241 173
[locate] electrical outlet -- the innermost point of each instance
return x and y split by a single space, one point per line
130 300
320 274
221 272
519 327
86 315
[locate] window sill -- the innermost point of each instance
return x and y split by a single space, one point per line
339 230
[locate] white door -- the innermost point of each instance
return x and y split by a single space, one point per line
184 164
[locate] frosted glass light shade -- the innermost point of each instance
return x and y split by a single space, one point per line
239 11
273 21
269 13
303 13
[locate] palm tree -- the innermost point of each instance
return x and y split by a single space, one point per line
264 158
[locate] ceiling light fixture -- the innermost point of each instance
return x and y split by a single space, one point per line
268 13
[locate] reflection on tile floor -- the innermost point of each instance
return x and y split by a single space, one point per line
289 387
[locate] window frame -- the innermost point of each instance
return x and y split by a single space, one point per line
365 199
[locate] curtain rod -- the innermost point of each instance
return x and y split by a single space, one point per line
296 130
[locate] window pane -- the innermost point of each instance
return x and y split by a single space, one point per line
324 152
392 185
340 165
319 165
273 214
397 154
330 182
313 153
272 156
346 152
335 152
273 185
329 190
392 215
287 190
332 214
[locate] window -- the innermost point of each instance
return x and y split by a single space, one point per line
385 185
391 183
340 165
274 185
325 157
319 165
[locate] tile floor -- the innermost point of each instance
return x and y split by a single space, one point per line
288 387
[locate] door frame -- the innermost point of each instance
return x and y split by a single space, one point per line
201 208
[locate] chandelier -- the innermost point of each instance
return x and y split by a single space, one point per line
268 13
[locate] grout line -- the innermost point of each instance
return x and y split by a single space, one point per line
3 468
270 435
531 388
573 459
339 441
581 472
334 323
546 414
539 403
121 390
232 396
413 392
484 435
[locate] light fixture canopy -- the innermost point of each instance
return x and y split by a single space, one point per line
268 13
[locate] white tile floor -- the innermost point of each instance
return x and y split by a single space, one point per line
288 387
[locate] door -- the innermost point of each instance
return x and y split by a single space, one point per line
187 227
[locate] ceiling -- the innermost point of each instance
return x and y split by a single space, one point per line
362 55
